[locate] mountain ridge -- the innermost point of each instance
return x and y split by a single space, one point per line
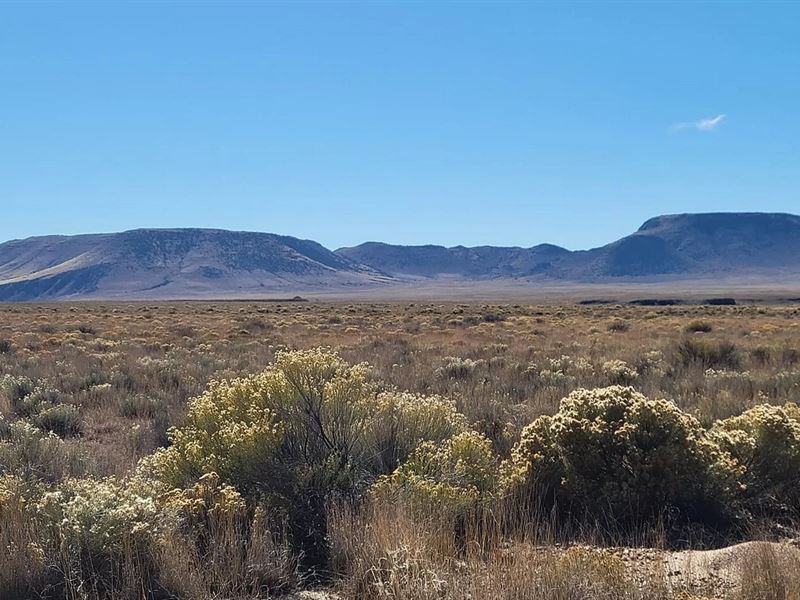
163 263
203 263
689 244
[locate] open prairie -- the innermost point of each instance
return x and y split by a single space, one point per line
88 391
442 300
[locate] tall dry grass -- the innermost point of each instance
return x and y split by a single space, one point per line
770 572
385 552
230 561
128 370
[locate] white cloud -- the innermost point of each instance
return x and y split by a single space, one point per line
709 124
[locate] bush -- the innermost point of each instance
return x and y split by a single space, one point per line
87 539
307 428
706 354
62 419
113 538
97 518
494 317
28 452
451 477
139 406
616 456
230 547
40 399
765 442
618 326
26 397
300 422
761 355
15 389
619 372
402 421
455 367
698 326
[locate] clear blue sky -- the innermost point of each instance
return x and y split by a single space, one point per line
408 122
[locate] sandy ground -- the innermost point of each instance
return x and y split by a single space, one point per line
714 574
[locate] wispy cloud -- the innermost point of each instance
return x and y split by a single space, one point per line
709 124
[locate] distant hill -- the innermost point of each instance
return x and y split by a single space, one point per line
171 263
470 263
211 263
672 245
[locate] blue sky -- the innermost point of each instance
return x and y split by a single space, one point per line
407 122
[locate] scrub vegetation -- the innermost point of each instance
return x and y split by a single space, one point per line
415 451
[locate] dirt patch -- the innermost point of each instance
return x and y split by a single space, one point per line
715 573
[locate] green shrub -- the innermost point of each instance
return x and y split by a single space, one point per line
699 326
139 406
706 354
40 399
62 419
29 452
765 442
614 455
27 398
618 326
15 389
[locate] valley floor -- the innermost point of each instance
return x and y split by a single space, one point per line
89 390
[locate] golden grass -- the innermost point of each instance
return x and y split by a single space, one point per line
130 369
108 358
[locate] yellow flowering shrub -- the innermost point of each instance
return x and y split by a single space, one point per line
402 420
614 453
309 419
452 476
207 508
100 517
303 417
97 534
765 443
534 472
619 372
792 410
122 538
308 426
